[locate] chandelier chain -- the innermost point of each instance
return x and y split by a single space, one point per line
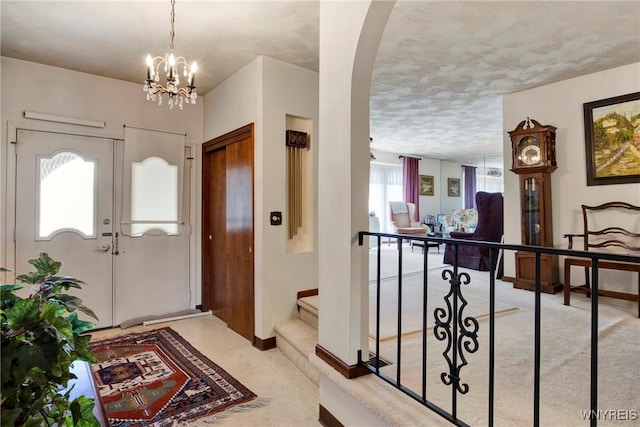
173 20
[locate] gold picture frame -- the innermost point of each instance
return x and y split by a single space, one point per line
611 137
453 187
426 185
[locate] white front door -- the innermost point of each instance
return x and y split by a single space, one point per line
112 212
64 206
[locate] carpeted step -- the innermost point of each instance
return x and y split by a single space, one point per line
308 310
297 340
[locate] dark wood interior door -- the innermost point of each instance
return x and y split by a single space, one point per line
227 240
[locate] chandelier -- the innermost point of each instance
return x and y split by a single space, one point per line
494 173
171 67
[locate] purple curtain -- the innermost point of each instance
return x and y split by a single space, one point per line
411 182
469 173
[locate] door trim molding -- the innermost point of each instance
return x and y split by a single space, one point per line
228 138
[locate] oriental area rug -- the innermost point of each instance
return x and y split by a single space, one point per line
156 378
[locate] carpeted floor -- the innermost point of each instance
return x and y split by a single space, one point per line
564 360
292 398
413 291
412 261
475 294
156 378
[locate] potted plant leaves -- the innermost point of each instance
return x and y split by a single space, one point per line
41 338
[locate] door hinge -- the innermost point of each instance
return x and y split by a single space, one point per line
14 235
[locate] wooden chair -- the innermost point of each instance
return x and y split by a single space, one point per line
603 231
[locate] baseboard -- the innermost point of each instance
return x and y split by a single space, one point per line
347 371
327 419
263 345
307 293
508 279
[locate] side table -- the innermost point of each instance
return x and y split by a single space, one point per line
422 244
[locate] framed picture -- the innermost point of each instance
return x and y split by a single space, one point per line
453 187
612 140
426 185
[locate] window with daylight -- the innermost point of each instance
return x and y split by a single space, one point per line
385 185
66 195
154 196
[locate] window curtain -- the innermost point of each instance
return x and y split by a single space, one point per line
385 185
411 182
469 174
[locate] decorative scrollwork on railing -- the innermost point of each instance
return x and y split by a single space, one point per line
460 333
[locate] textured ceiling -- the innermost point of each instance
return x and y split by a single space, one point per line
440 72
442 67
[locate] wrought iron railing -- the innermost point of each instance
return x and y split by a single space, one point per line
460 332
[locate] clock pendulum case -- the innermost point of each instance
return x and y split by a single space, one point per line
534 159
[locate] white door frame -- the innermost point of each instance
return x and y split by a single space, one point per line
8 193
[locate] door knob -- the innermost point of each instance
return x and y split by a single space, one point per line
104 248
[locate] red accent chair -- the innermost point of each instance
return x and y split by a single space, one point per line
490 229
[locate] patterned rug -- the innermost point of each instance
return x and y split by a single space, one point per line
156 378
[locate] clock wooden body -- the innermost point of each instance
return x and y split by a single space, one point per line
534 159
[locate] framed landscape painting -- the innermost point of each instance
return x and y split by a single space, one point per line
612 140
426 185
453 187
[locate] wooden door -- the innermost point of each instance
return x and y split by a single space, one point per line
227 249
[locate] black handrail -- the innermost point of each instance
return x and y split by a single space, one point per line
460 332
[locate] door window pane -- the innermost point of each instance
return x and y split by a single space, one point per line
154 196
66 195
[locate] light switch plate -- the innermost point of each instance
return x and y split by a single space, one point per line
275 218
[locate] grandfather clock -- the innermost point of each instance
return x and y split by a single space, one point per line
534 159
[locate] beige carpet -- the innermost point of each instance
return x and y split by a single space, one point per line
412 262
476 292
565 361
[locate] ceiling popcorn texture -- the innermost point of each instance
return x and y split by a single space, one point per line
441 69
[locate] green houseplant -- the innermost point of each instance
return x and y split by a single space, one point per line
41 338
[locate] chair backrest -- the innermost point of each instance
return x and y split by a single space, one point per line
402 214
614 226
490 216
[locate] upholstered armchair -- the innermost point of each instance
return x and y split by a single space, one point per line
403 219
490 229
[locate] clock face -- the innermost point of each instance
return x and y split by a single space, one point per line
530 155
529 151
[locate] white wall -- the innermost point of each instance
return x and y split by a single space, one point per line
41 88
287 90
560 104
264 93
347 53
